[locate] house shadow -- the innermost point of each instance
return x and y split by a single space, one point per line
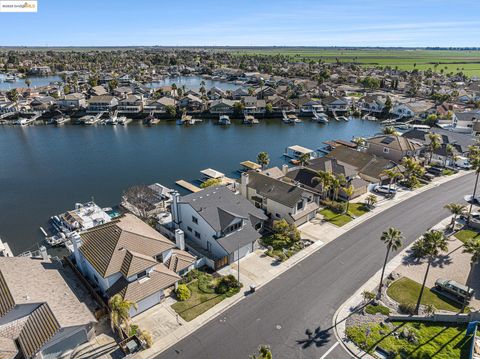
315 338
473 280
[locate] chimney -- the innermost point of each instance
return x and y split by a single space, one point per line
180 239
284 169
174 207
43 253
244 179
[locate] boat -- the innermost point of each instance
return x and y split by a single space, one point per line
60 120
369 117
344 118
224 120
319 117
113 119
151 120
5 250
10 78
24 121
90 120
290 119
250 120
124 121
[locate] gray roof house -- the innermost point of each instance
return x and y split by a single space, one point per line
40 316
218 224
278 198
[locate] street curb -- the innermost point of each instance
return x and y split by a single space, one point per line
295 261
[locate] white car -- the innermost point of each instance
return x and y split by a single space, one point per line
383 189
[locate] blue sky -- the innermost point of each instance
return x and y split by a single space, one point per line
245 23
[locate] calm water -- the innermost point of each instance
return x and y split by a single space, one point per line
44 170
193 83
35 81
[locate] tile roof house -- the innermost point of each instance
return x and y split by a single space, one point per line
219 224
392 147
39 311
369 167
279 199
128 257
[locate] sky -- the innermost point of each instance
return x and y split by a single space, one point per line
390 23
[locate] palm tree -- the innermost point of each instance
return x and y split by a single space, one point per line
389 130
455 209
264 353
472 246
336 183
263 159
304 159
348 191
119 312
393 239
429 246
371 200
435 142
475 163
393 176
325 179
412 170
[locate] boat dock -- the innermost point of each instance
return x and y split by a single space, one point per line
188 186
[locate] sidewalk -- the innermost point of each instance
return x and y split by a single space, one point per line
371 285
258 269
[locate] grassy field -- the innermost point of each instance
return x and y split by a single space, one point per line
432 340
466 234
467 61
355 210
406 291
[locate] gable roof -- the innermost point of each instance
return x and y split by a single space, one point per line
332 165
105 246
274 189
134 263
395 142
179 260
217 205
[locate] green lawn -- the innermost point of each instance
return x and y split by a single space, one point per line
355 210
198 303
407 291
432 340
466 234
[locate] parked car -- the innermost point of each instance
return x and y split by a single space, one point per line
383 189
460 291
436 171
463 163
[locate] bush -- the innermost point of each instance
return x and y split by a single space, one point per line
228 285
182 292
374 309
190 276
133 330
205 283
337 207
146 336
282 257
406 308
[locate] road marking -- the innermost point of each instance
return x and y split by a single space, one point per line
329 350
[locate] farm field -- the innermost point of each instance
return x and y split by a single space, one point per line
467 61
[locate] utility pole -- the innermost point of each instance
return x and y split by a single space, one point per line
238 263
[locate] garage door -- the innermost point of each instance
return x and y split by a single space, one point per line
65 345
243 252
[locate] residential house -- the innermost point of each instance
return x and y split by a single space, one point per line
104 103
335 104
222 106
221 225
40 315
131 104
239 93
253 105
413 108
98 91
370 167
371 104
72 101
215 93
191 103
159 106
280 104
278 198
392 147
465 119
130 258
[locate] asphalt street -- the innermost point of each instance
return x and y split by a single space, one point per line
306 296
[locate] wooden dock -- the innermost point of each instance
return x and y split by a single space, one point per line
188 186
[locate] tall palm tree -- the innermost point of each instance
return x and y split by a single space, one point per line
457 210
429 247
325 179
435 142
389 130
336 183
393 239
475 163
472 246
393 176
263 159
119 312
348 191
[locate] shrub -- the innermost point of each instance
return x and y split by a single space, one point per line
406 308
337 207
182 292
190 276
205 283
133 330
282 257
228 285
146 336
374 309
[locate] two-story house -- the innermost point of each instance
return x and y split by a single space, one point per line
393 147
218 223
131 104
102 103
130 258
279 199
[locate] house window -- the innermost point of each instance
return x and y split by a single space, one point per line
300 205
386 150
277 215
189 229
209 246
258 226
194 219
197 234
142 274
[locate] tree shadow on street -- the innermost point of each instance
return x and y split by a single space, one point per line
317 338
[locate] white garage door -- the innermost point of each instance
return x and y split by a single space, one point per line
243 252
